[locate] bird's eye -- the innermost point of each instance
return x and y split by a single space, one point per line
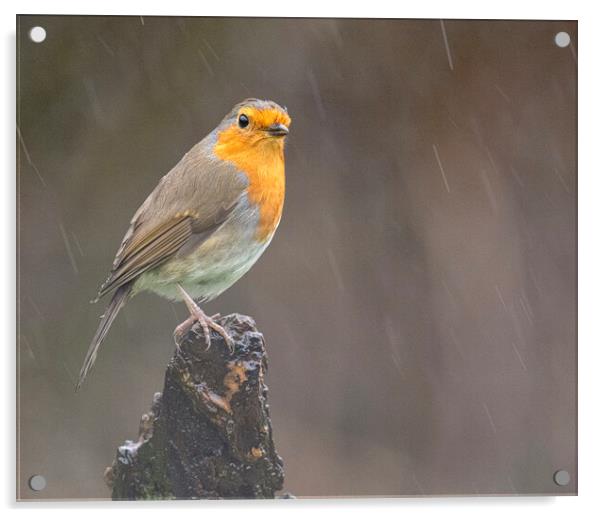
243 121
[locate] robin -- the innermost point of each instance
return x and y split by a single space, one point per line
206 222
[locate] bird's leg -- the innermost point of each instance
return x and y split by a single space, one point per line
206 322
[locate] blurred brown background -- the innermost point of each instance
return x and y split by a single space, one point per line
419 298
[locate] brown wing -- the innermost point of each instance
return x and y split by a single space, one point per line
148 251
187 206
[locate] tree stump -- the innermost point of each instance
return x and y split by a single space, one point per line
208 435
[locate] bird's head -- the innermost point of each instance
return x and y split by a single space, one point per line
259 124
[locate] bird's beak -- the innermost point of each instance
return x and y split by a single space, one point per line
277 130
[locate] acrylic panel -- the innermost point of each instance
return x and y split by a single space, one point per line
417 302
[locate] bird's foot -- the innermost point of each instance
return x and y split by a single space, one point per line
181 330
207 324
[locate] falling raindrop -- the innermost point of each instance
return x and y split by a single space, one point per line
28 157
447 50
68 248
489 418
441 168
106 46
205 61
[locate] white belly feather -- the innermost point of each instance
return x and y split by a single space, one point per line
216 264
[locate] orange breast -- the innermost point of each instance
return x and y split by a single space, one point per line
263 163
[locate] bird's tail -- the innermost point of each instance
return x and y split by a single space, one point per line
117 302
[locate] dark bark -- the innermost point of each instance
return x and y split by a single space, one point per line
208 435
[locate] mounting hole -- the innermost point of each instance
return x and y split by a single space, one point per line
37 482
562 477
562 39
37 34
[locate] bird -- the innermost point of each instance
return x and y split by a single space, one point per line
206 222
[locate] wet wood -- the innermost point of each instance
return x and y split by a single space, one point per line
208 434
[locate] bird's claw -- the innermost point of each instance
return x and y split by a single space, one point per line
181 330
207 323
222 332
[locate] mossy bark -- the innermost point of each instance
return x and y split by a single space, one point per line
208 435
